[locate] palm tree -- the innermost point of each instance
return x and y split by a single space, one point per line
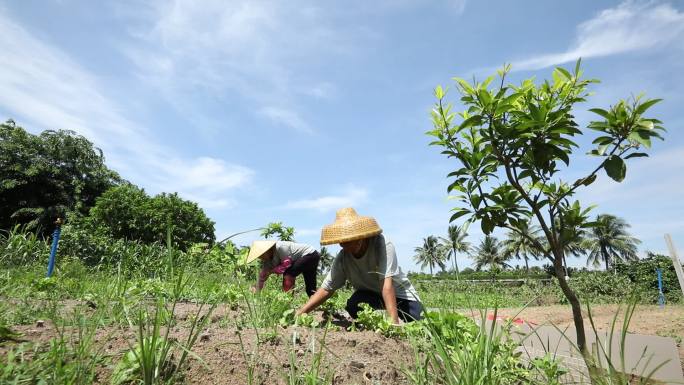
325 261
521 245
488 254
609 241
455 243
430 254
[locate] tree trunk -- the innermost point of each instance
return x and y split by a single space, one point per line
576 314
455 264
430 269
606 257
527 269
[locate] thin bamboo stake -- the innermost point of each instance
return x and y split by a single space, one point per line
675 261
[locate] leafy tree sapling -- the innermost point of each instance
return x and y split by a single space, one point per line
513 143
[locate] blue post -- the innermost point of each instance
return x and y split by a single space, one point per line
661 296
53 249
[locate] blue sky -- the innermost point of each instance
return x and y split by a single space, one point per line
266 111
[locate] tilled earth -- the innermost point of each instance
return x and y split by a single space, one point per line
359 357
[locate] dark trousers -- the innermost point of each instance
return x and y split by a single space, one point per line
408 310
308 267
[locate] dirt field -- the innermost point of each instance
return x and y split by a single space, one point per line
349 357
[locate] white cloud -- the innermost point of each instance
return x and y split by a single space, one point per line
252 52
458 5
44 88
630 26
351 196
286 117
322 90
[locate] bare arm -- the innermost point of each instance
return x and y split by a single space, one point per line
321 295
263 275
390 298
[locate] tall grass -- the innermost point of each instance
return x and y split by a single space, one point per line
150 360
456 351
19 247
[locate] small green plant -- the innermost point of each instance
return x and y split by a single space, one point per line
549 368
370 319
314 373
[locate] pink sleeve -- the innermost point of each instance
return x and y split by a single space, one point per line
263 274
284 265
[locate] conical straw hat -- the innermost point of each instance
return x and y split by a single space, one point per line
349 226
257 249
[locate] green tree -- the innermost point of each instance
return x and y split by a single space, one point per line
609 241
513 141
127 212
455 243
284 233
326 260
44 176
430 254
489 254
520 244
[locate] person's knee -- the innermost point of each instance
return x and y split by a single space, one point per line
416 311
412 312
352 307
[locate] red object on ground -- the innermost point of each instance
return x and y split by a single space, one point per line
518 321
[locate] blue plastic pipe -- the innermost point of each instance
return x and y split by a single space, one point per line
53 249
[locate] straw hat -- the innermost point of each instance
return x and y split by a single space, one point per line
349 226
258 249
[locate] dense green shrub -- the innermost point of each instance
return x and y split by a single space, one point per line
44 176
127 212
643 276
470 274
95 248
601 287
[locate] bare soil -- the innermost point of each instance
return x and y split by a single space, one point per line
359 357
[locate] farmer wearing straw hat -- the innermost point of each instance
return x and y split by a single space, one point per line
369 263
287 258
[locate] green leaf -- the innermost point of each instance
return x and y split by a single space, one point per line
615 168
471 121
603 140
601 112
487 81
589 180
636 155
641 108
564 72
464 85
439 92
458 214
486 225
